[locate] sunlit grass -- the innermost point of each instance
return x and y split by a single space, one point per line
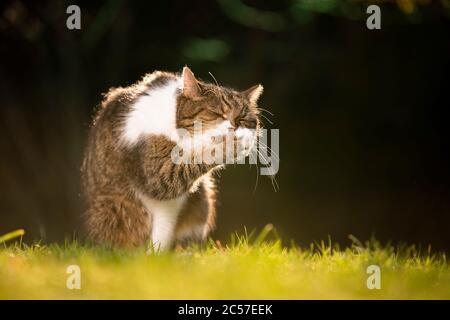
250 266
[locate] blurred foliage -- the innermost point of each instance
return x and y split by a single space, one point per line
103 20
296 12
279 16
206 49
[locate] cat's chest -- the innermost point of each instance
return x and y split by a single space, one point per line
163 216
168 208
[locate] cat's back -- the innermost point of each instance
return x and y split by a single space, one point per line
106 151
119 102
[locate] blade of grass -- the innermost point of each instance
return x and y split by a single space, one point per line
11 235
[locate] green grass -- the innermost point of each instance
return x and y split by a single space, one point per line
248 267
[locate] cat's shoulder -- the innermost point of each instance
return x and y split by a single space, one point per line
148 81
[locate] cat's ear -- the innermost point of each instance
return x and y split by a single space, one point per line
191 89
253 93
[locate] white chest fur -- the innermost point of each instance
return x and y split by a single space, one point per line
164 216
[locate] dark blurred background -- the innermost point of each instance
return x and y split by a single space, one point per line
362 113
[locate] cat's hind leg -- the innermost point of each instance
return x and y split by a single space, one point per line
117 221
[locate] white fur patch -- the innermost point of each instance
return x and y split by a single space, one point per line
164 216
153 113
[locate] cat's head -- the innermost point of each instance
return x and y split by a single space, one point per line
219 109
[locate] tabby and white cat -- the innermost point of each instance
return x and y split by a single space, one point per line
135 192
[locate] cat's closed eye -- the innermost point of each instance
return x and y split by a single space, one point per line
238 119
217 114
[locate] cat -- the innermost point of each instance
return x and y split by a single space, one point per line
135 193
